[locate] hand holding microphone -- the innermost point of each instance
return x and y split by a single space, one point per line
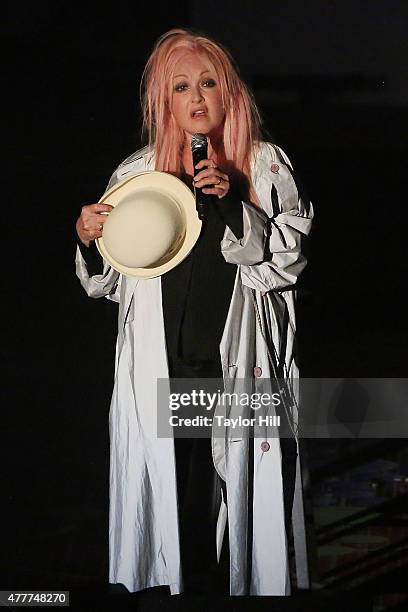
206 172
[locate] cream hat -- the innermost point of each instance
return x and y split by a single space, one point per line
153 226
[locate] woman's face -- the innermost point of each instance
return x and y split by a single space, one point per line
195 87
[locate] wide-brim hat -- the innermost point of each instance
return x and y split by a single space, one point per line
153 225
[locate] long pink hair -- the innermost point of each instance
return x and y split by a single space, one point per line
243 123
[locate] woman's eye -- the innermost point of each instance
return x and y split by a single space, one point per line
183 86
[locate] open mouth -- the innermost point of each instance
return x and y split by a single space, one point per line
198 114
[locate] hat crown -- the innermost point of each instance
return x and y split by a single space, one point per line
144 229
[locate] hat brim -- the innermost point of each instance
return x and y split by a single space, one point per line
166 184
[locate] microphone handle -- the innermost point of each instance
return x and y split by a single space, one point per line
202 199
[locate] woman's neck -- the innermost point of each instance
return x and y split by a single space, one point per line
213 153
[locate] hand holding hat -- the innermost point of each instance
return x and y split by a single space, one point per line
153 224
90 223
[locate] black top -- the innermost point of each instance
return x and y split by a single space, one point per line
195 294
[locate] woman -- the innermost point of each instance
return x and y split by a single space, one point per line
226 311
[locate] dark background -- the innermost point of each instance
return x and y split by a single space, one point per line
330 80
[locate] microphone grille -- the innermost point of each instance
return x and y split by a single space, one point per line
198 141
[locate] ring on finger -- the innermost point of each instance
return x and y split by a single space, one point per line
100 227
219 180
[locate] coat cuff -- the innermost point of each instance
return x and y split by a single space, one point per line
92 257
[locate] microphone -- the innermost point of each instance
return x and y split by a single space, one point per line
199 151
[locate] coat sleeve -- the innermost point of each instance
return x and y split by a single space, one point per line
105 284
270 252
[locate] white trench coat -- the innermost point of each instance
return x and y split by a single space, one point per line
143 517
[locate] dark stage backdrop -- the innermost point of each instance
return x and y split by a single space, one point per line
329 79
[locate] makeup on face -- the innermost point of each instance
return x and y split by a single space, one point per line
196 95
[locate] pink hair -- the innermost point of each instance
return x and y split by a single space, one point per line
242 126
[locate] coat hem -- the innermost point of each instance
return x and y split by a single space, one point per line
175 587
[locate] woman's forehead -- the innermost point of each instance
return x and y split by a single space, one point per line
190 61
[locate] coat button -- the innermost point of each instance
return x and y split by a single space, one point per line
265 446
275 168
257 371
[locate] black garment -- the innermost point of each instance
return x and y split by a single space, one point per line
196 294
199 494
289 456
93 258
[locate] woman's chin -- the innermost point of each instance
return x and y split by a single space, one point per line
199 128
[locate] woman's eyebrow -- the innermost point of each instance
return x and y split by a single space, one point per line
184 75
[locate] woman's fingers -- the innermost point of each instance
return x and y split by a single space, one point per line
215 191
99 208
92 209
91 221
204 163
212 180
95 214
211 176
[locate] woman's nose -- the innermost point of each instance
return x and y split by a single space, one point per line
196 94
